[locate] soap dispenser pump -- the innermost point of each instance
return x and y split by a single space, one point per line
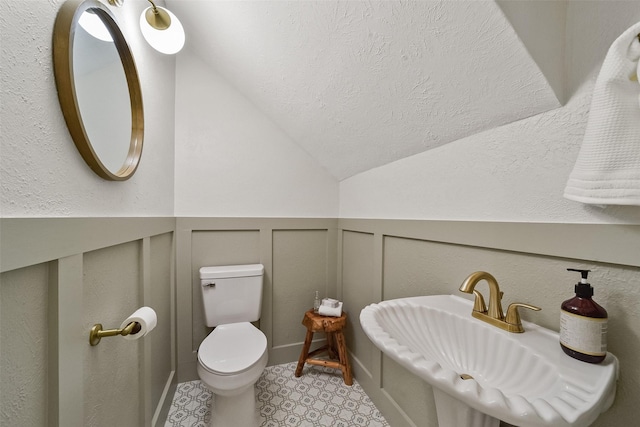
583 324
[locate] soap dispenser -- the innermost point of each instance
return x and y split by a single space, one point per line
583 324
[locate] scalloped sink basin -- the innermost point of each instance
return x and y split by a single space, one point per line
485 372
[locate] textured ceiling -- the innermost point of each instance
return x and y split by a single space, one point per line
359 84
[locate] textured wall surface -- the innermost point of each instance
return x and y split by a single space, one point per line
516 172
359 84
41 172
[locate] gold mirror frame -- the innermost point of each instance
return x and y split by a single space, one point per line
63 38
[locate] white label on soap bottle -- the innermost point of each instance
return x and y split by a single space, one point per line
587 335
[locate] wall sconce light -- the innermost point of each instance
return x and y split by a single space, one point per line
162 29
92 24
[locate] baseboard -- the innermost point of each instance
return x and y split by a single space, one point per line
162 410
188 371
387 406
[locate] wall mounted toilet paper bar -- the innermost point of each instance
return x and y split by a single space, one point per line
98 333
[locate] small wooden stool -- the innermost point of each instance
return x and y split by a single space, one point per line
336 345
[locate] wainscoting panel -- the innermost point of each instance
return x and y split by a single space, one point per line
159 294
358 290
58 276
53 288
300 267
109 296
24 296
299 256
412 396
529 261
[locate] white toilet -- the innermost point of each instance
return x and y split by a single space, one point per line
232 357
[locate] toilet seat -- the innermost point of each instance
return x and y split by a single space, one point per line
231 349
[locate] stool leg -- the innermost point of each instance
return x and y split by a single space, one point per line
344 359
304 353
331 346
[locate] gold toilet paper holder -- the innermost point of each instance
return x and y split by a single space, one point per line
97 333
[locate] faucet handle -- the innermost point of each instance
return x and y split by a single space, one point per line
513 317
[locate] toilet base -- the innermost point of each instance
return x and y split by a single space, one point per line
234 411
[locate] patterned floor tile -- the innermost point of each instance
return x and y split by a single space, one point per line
318 398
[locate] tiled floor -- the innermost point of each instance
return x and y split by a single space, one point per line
318 398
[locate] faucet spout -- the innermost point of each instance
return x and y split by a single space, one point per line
495 296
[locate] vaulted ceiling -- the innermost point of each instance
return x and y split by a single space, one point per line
359 84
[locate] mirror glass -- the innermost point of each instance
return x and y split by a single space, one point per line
102 94
98 88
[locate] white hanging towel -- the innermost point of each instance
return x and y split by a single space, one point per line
607 171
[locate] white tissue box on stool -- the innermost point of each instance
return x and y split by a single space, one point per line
330 311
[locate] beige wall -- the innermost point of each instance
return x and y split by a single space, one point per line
23 344
299 256
386 259
60 277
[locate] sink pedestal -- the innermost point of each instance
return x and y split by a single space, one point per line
453 413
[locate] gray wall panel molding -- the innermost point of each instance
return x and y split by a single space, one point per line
249 223
610 243
189 227
266 259
414 257
145 368
373 264
67 341
184 331
63 245
29 241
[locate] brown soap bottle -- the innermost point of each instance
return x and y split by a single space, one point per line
583 324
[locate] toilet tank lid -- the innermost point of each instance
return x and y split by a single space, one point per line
228 271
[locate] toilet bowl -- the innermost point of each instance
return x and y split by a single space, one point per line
232 357
230 362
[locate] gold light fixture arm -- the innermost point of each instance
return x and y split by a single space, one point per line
97 333
157 18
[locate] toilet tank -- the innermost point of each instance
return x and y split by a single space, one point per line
231 293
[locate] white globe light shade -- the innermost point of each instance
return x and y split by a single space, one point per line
93 25
167 41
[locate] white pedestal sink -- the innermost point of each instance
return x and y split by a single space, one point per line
482 374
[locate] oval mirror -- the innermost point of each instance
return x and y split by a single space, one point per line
98 88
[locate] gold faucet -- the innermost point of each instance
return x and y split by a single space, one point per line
494 314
